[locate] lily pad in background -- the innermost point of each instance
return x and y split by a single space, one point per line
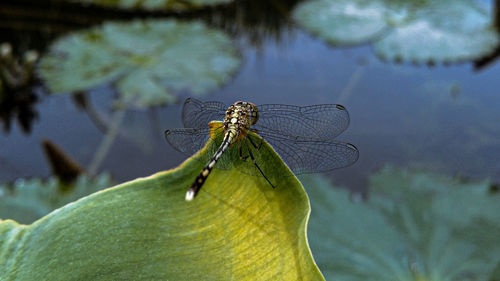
27 200
237 228
415 226
418 31
343 23
160 5
147 60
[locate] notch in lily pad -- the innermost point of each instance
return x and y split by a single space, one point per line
146 61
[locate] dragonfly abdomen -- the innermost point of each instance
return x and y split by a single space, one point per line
237 120
205 172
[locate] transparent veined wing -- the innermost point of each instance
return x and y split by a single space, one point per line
302 155
324 121
306 155
187 140
190 141
302 136
197 114
321 122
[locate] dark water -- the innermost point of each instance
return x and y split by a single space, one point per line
442 118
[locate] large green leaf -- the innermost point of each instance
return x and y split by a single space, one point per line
415 226
237 228
147 61
424 31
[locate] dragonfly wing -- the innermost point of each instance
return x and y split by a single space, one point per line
197 114
312 156
187 140
322 122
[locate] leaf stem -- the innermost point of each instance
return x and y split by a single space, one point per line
105 145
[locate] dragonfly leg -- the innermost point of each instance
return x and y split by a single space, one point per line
255 163
253 143
241 152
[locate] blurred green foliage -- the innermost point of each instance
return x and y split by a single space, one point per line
26 200
414 226
147 61
425 31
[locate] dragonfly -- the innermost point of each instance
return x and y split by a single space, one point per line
303 136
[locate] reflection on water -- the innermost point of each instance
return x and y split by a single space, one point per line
16 87
18 105
255 21
440 118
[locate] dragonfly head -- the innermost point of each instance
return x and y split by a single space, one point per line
252 109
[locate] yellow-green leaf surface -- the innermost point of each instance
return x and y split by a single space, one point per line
237 228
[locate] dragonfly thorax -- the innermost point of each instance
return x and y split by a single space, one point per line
238 119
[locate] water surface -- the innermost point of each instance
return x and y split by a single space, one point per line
442 118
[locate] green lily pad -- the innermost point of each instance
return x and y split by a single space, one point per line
27 200
443 31
414 226
343 23
162 5
237 228
417 31
147 61
495 276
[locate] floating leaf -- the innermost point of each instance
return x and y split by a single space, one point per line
343 22
163 5
351 241
443 31
237 228
445 195
417 31
415 226
26 200
495 276
147 61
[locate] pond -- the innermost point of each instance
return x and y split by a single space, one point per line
88 88
441 117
